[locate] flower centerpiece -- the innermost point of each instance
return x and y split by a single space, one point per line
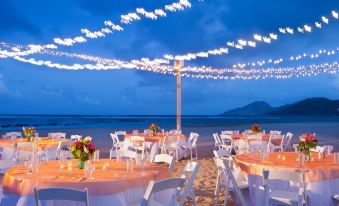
28 132
307 141
255 129
83 151
154 128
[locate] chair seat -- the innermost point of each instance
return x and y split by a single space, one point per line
284 197
336 196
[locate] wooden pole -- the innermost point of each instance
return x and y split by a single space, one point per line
178 64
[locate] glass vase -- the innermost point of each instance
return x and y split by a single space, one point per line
81 164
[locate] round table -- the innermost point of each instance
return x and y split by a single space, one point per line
109 186
321 176
153 142
44 144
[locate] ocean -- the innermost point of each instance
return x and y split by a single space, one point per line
99 127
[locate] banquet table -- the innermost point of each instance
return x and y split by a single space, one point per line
321 175
44 144
154 141
110 185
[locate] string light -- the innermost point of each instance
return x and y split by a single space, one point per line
321 52
194 72
241 43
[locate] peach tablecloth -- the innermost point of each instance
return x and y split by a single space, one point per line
322 176
105 182
44 143
317 169
157 137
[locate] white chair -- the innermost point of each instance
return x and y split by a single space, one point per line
23 151
121 133
272 142
75 137
172 184
127 154
191 170
227 132
174 131
287 141
192 144
236 132
57 135
135 131
275 132
61 194
217 141
221 153
164 158
171 146
5 165
283 197
227 142
138 143
116 142
13 135
218 144
318 149
227 180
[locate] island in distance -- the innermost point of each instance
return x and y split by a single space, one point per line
310 106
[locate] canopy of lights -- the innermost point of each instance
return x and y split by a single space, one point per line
260 69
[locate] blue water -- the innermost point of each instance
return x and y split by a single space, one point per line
99 127
14 122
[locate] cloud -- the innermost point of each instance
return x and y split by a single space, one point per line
12 21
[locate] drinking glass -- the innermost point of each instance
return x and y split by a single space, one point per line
29 166
129 165
89 168
96 155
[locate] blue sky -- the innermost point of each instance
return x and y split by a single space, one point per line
28 89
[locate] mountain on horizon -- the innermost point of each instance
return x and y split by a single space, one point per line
309 106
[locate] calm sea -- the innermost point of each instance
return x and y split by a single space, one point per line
99 127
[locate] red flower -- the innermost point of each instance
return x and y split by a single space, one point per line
91 147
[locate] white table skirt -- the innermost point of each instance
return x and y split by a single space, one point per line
319 193
132 196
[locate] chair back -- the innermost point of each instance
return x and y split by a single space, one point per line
164 158
23 150
171 141
120 133
226 171
57 135
217 139
221 153
75 137
287 141
61 194
275 132
13 135
153 187
191 170
193 138
226 139
227 132
116 141
295 177
135 131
